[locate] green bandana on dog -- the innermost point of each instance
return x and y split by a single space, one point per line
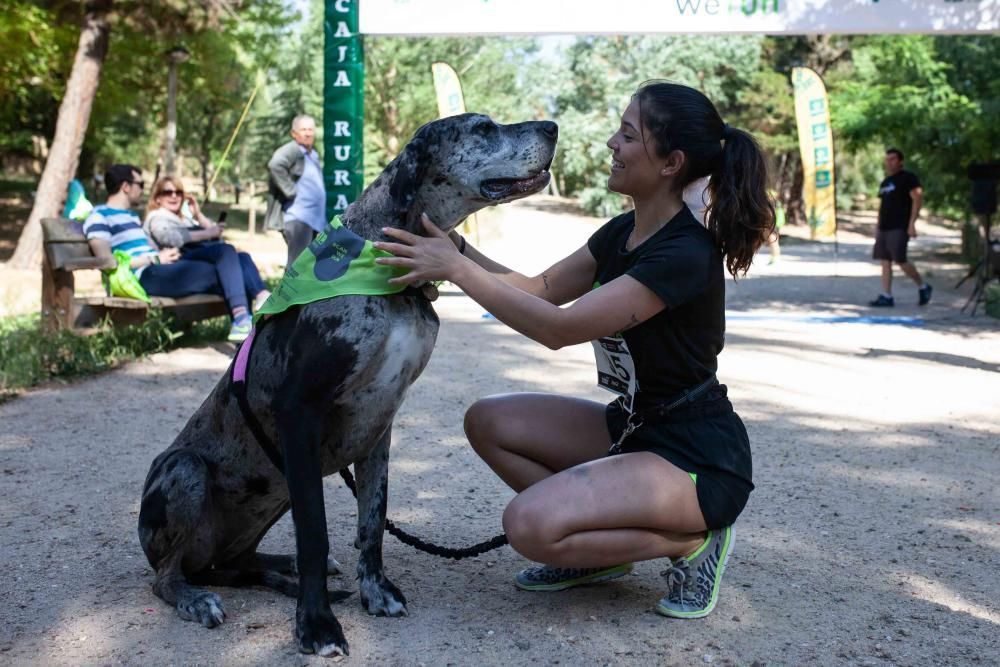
336 263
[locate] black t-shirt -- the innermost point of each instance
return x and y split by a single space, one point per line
677 348
894 212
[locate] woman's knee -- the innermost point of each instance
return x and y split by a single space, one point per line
533 530
483 422
522 525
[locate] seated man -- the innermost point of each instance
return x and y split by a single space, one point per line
116 226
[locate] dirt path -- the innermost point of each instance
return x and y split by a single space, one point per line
873 536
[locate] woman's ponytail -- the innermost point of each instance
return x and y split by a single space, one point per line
741 214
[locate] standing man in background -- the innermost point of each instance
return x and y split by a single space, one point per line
901 196
296 197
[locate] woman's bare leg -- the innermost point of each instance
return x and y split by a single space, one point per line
624 508
525 438
577 508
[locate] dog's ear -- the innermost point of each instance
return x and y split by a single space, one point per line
411 167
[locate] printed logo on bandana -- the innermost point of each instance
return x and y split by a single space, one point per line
335 250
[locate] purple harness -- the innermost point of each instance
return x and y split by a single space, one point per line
238 387
242 357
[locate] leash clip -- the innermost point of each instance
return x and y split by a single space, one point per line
631 424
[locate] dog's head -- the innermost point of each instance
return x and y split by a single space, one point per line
455 166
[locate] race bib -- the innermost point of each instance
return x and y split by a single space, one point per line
615 368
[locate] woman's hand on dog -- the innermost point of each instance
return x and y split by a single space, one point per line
431 257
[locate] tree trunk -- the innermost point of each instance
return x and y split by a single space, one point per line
796 211
71 128
203 161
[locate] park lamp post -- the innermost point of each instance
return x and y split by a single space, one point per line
175 56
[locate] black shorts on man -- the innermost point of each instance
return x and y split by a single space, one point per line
890 244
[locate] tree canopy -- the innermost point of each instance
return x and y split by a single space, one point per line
936 98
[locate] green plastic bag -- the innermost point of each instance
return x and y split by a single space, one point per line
120 281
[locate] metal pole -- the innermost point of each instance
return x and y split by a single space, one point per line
171 119
252 221
175 56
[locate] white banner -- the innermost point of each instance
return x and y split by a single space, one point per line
650 17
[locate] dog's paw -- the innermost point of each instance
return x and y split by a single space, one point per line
203 607
319 632
382 598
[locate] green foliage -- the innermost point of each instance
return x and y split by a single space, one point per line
766 107
228 52
399 88
213 86
295 82
859 172
37 56
28 356
601 73
290 65
935 98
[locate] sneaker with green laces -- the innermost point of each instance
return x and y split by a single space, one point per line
548 578
693 582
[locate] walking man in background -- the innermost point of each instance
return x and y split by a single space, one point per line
901 196
296 198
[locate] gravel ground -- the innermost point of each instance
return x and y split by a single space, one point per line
873 537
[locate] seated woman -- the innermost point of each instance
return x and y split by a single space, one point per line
197 237
115 226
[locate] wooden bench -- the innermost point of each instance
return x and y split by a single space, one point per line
66 251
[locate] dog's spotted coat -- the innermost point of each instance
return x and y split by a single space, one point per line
325 381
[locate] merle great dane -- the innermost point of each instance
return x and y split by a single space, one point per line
325 381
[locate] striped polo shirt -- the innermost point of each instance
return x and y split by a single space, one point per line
121 228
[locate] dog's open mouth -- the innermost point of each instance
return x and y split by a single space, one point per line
497 189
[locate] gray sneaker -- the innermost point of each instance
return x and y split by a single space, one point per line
548 578
693 582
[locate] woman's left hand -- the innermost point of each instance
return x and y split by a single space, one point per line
193 207
431 257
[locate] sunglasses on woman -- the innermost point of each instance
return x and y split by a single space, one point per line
171 193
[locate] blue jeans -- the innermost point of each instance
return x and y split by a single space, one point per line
213 269
212 251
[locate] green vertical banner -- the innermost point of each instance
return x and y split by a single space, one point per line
343 105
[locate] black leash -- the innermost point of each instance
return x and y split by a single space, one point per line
635 420
428 547
238 387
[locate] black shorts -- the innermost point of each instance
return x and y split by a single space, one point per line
891 244
706 439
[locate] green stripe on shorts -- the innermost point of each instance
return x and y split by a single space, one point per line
694 477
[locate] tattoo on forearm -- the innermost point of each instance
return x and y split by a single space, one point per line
633 320
545 279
